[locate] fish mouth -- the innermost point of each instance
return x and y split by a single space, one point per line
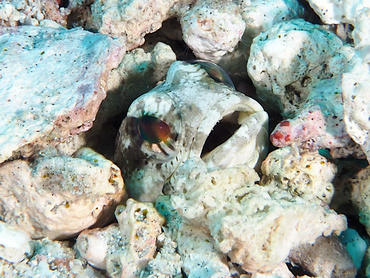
239 137
221 132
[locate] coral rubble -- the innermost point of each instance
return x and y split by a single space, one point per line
202 192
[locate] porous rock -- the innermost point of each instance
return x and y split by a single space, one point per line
356 101
287 59
50 259
338 11
52 83
200 257
31 12
94 245
319 124
327 257
15 243
132 20
262 15
256 226
361 33
360 196
59 196
167 262
212 28
123 250
308 175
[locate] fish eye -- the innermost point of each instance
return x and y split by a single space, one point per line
153 129
154 126
214 71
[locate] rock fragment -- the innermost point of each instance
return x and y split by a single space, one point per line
15 243
212 28
255 225
327 257
50 259
59 196
360 196
308 175
124 250
52 83
287 59
132 20
356 101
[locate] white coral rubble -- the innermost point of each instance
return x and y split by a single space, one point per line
356 101
308 175
52 83
262 15
131 20
256 226
288 59
212 28
59 196
49 259
15 243
338 11
124 250
360 196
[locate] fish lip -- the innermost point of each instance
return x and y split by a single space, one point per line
246 145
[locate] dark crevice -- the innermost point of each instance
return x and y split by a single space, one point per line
298 270
63 3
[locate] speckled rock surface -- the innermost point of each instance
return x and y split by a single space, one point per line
59 196
356 101
50 259
327 257
355 245
52 83
166 262
32 12
211 28
308 175
287 59
126 249
132 20
338 11
256 226
199 255
262 15
319 124
361 34
15 243
359 196
94 245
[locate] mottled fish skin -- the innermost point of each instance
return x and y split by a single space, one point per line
171 123
214 71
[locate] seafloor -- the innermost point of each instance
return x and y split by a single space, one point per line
184 138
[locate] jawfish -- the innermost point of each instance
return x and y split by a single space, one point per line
194 112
